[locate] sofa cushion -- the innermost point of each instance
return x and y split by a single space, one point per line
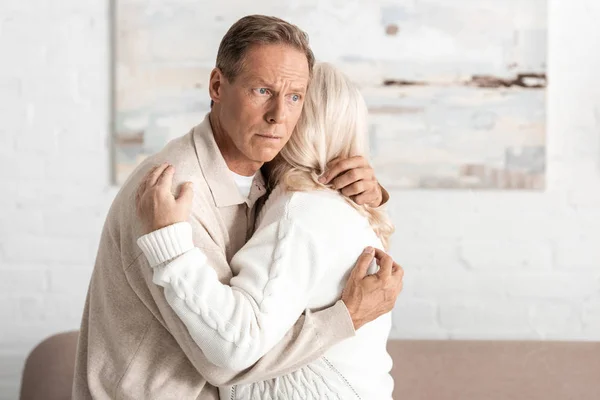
445 370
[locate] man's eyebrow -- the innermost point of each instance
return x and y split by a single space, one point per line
299 89
260 82
263 83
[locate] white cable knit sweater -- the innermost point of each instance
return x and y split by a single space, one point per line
300 256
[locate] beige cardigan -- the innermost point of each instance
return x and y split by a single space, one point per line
132 345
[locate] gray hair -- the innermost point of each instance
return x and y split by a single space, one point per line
258 29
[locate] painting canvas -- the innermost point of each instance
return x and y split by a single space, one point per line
455 88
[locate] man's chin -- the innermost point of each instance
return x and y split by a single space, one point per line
267 156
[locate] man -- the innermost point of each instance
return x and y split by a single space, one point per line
132 344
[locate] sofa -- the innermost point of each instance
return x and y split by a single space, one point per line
423 370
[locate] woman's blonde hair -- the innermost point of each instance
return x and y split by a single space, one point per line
333 124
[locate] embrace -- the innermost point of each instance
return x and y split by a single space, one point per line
246 259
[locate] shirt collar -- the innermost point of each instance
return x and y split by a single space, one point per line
257 190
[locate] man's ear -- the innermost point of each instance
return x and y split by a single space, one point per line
215 85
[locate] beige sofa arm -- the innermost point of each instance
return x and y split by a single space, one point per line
49 368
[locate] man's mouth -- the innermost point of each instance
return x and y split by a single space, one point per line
268 136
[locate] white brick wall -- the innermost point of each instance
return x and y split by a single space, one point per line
54 168
478 264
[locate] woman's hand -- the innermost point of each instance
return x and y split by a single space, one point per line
156 205
355 178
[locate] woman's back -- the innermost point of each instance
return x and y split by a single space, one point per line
357 367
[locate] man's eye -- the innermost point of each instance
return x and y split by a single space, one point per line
263 91
295 98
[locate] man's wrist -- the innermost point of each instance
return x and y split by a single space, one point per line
356 322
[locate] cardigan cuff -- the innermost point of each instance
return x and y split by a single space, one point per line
167 243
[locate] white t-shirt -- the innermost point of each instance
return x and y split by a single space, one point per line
244 183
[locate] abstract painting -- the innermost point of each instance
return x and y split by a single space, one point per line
455 88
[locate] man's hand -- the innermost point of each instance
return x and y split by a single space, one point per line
156 206
355 178
368 297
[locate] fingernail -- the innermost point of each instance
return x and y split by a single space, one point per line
322 179
368 250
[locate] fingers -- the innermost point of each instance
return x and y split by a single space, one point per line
140 190
398 277
143 184
326 178
352 176
146 178
186 193
334 161
351 183
362 264
351 162
369 197
379 254
161 174
397 270
165 180
340 166
156 173
369 188
138 198
386 264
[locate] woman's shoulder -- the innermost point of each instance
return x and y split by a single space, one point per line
320 207
323 215
308 207
315 201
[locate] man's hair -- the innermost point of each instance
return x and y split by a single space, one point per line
255 30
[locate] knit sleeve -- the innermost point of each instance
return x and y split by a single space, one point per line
236 325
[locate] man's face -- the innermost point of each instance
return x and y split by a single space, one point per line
260 108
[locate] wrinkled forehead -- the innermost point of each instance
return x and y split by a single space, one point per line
275 65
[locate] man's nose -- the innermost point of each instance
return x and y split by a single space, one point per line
277 111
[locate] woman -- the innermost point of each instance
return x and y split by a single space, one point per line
307 240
